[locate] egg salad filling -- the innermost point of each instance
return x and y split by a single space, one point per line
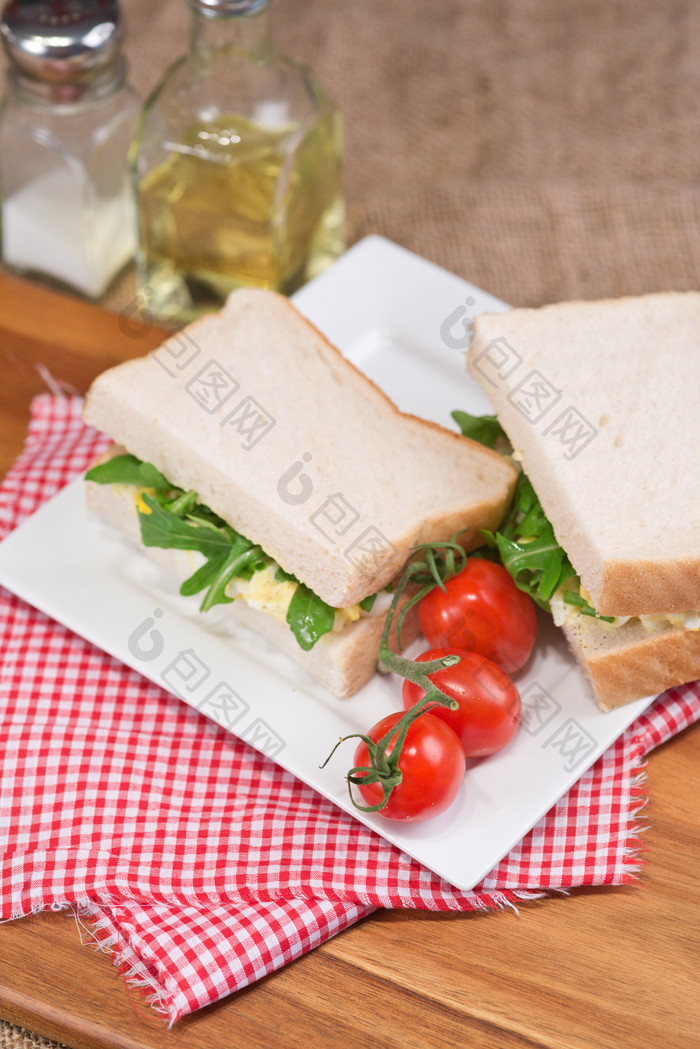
563 611
225 566
268 593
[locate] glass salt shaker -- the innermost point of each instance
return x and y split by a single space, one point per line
237 168
66 125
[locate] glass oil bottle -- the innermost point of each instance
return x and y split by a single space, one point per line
237 168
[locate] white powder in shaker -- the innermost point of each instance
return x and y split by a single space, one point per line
48 228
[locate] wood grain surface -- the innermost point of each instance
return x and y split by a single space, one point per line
598 969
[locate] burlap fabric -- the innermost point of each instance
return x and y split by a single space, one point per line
543 149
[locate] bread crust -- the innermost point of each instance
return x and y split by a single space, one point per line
658 586
632 663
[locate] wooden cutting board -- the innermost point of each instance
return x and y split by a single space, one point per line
598 969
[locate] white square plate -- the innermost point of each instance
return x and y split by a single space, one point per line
401 320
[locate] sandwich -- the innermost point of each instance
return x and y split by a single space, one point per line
254 462
599 401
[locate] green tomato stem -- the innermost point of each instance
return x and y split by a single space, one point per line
441 562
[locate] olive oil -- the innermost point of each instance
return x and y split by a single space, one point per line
236 167
238 204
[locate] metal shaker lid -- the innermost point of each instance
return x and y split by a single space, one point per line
62 41
224 8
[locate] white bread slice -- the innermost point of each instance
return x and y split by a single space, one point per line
405 480
629 662
624 501
343 660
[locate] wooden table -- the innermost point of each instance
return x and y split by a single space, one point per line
595 969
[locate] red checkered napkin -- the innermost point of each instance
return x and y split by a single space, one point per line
198 861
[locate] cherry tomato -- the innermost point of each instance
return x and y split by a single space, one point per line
431 761
483 611
489 702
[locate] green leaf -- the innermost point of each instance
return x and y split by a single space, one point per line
367 602
228 554
528 548
573 597
485 429
309 617
182 505
526 516
176 521
127 469
204 577
200 514
285 577
162 528
152 478
248 570
488 552
241 555
527 545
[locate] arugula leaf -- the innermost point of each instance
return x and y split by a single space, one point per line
526 518
536 566
239 558
485 429
228 554
486 552
182 504
127 469
174 520
168 530
204 577
255 564
528 548
285 577
527 545
572 597
309 617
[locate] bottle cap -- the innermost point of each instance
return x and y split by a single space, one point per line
62 41
225 8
